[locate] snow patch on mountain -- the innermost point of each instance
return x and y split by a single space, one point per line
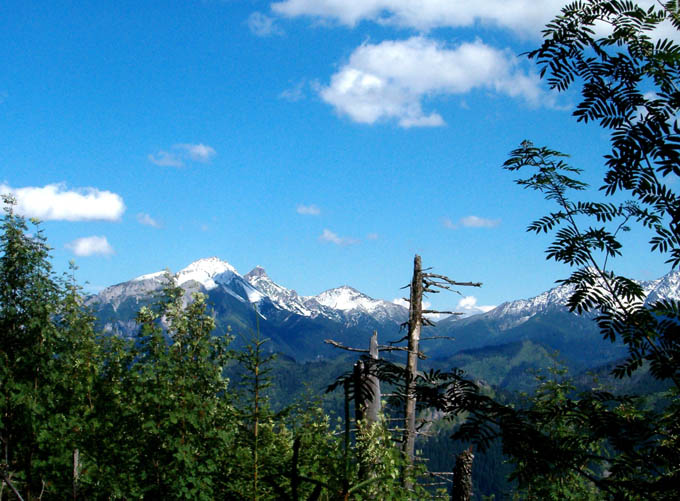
666 287
209 272
517 312
282 298
149 276
513 313
350 301
346 298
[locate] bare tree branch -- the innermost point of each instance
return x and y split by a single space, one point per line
343 347
438 337
383 347
11 486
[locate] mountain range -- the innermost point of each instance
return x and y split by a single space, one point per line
298 325
546 320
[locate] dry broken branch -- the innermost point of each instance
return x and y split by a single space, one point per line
452 282
332 342
343 347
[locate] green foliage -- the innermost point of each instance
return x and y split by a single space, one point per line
47 365
545 410
262 442
597 444
165 404
103 417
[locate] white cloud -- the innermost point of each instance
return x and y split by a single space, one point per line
334 238
308 210
56 202
182 152
479 222
526 17
372 236
147 220
90 246
471 222
468 306
197 152
166 159
400 301
263 25
388 81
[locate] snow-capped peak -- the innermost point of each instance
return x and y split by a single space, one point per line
284 299
346 298
149 276
209 272
256 273
342 304
352 304
666 287
516 312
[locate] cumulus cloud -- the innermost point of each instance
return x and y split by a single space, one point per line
147 220
526 17
468 306
57 202
308 210
181 153
90 246
334 238
471 222
263 25
389 80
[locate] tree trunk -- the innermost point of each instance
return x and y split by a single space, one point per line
373 402
462 476
76 472
360 398
414 326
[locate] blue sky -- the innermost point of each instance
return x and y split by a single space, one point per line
326 140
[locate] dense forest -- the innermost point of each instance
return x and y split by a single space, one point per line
175 413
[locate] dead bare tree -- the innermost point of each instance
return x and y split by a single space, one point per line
422 283
365 378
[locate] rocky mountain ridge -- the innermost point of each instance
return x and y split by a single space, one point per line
299 324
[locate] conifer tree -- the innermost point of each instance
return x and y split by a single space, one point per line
263 441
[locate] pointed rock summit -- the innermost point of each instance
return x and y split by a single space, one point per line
255 273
